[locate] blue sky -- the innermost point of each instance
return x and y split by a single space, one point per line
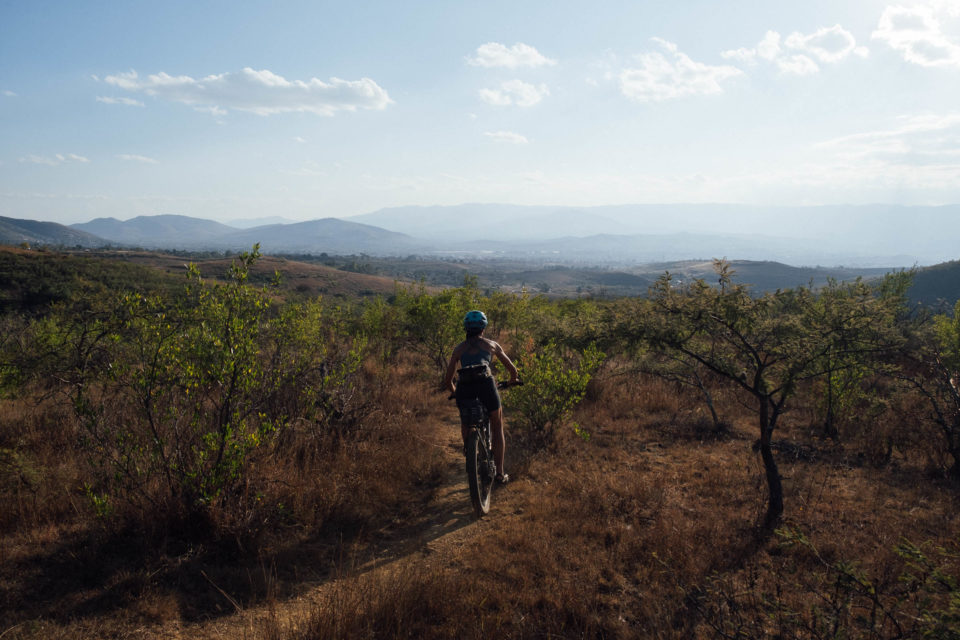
233 110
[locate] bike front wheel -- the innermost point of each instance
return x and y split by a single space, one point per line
479 475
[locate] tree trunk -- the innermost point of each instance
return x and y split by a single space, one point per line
718 426
829 425
775 506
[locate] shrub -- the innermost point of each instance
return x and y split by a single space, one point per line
555 380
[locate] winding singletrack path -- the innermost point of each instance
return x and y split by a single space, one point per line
433 539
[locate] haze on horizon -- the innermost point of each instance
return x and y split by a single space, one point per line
307 109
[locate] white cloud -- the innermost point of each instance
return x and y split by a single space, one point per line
915 32
663 77
9 94
261 92
132 157
767 49
797 64
827 44
299 139
799 53
494 54
515 92
54 160
506 136
130 102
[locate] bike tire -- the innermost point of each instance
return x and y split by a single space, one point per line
481 486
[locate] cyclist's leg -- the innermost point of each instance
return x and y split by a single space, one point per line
499 442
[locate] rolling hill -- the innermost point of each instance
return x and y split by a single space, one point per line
170 231
327 235
14 231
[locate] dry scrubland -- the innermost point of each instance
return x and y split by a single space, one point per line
634 515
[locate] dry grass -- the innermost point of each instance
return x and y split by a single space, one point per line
646 529
65 571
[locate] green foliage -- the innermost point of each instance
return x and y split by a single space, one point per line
33 282
767 345
935 374
176 395
947 330
432 323
858 326
555 380
381 323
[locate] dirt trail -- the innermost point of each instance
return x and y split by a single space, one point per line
436 537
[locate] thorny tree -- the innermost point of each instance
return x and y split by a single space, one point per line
766 345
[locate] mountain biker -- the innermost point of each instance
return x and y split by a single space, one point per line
474 356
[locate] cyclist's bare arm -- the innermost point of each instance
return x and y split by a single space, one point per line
505 359
452 367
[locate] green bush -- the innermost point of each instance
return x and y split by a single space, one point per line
555 380
176 395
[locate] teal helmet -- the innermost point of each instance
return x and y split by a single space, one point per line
474 320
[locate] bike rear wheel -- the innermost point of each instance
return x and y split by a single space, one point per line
479 477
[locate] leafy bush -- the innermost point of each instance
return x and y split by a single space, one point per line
555 380
433 322
176 396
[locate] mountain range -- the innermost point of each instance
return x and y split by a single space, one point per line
862 236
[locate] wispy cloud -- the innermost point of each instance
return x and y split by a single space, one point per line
132 157
515 92
54 160
916 33
800 53
262 92
507 136
671 74
9 94
494 54
924 139
130 102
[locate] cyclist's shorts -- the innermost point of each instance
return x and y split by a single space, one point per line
485 389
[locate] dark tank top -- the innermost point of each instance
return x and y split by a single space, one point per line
475 355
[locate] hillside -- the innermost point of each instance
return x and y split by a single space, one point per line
31 281
167 231
327 235
15 232
937 286
300 277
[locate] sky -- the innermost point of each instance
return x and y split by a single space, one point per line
311 109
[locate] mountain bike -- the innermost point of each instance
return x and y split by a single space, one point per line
481 468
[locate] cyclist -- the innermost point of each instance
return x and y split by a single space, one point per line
474 356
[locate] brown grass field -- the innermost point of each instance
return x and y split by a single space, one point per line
644 526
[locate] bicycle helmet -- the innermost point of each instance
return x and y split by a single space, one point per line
474 320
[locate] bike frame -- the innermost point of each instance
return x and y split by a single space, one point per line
480 467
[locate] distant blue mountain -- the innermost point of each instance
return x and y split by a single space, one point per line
867 234
169 231
330 235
